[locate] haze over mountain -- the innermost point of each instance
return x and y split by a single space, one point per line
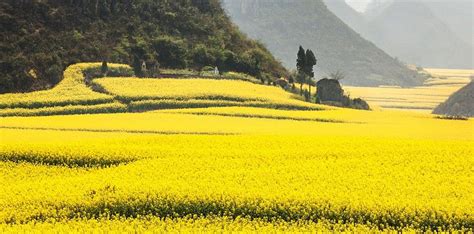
457 14
283 25
347 14
422 32
412 32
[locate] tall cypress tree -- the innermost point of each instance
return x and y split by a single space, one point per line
310 61
300 66
300 61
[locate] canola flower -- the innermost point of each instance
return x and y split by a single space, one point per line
72 90
153 225
245 120
73 96
65 110
191 224
227 164
348 174
190 93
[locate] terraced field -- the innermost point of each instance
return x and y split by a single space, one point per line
422 99
71 95
186 93
282 165
76 95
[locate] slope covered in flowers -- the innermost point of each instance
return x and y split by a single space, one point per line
79 94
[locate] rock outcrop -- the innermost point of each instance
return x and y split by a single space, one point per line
330 92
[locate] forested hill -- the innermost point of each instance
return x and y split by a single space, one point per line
40 38
283 25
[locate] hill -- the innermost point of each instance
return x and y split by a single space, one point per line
284 25
411 31
460 103
40 38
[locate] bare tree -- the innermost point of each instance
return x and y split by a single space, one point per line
338 75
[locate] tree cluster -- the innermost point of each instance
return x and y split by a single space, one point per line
305 63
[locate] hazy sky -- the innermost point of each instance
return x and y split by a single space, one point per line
359 5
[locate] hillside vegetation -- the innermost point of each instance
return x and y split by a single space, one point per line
39 39
284 25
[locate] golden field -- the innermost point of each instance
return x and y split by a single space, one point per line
436 90
234 168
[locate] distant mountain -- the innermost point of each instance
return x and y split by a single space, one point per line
457 14
413 32
283 25
460 103
347 14
38 39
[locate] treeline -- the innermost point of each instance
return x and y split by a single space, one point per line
40 38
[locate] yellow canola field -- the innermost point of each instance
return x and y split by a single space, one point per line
236 92
118 95
185 225
421 99
72 90
333 122
386 170
450 72
229 168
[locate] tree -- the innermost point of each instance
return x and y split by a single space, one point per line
104 9
301 60
292 76
171 51
338 75
202 57
301 79
255 58
227 61
310 62
257 67
300 66
137 66
104 68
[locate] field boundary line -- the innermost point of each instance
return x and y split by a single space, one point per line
121 131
